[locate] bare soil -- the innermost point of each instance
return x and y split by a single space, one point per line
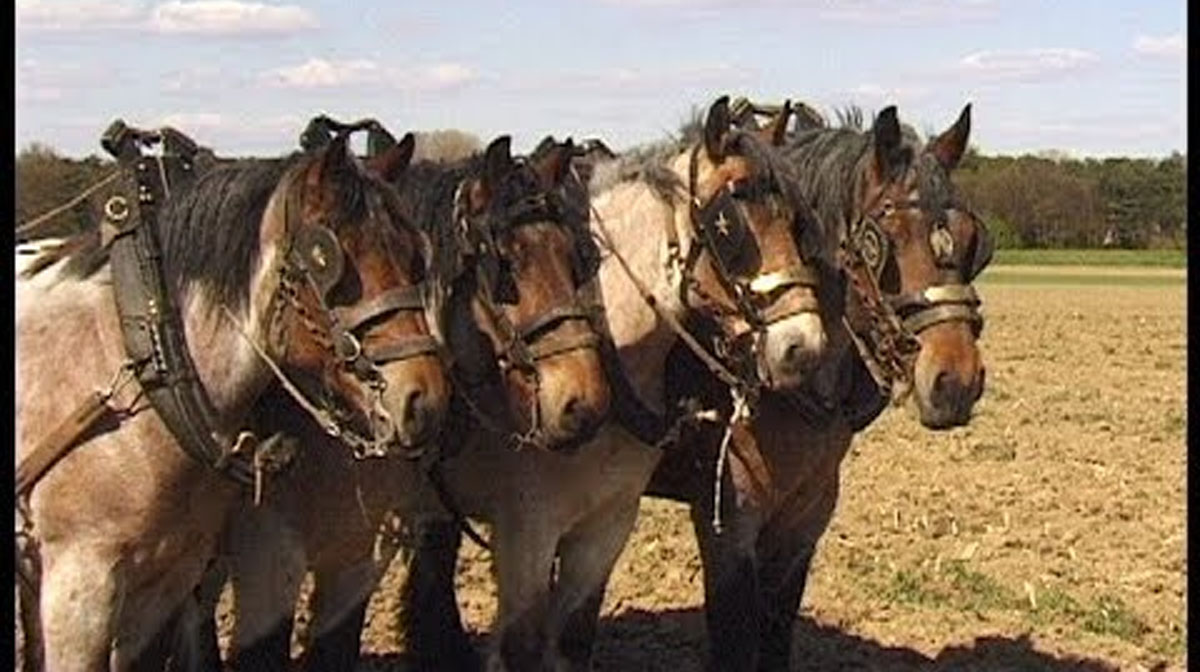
1047 535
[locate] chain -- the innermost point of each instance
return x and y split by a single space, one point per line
887 349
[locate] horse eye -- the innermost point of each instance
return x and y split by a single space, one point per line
888 207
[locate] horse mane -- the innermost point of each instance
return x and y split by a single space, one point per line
209 230
651 163
829 164
428 188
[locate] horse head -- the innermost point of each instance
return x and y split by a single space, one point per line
526 237
754 271
924 246
350 305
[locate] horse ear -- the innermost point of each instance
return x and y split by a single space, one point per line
337 159
716 129
497 161
885 135
553 163
390 164
775 132
335 164
545 145
949 147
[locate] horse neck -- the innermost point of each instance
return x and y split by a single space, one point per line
638 220
222 340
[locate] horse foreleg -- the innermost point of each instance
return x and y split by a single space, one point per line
339 605
587 555
786 548
267 566
732 603
523 560
80 602
429 617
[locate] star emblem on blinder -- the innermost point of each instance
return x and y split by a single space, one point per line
723 225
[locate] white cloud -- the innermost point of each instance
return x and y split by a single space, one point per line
1168 45
854 11
320 73
72 15
889 95
200 17
1027 64
229 17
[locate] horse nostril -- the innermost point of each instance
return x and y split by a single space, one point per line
577 414
414 403
940 392
798 357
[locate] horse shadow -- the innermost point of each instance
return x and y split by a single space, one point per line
675 640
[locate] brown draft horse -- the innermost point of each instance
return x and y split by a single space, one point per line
783 479
126 522
512 252
573 517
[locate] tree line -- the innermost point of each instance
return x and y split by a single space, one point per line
1060 202
1026 201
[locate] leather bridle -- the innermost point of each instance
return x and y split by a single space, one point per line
313 258
888 340
721 218
522 346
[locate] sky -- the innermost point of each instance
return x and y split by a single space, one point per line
1085 77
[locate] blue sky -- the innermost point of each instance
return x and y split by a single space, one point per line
1087 77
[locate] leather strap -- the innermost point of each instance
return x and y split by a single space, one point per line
152 328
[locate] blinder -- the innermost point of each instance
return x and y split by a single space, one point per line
320 254
947 301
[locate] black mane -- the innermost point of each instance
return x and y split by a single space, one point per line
209 232
429 188
829 164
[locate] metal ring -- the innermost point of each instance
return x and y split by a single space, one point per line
871 248
116 209
355 347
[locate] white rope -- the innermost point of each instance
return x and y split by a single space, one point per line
326 424
740 412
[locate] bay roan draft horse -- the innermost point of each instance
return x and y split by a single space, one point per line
908 250
306 262
672 219
512 253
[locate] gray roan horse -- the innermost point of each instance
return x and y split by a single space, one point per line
696 231
305 261
909 249
512 251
